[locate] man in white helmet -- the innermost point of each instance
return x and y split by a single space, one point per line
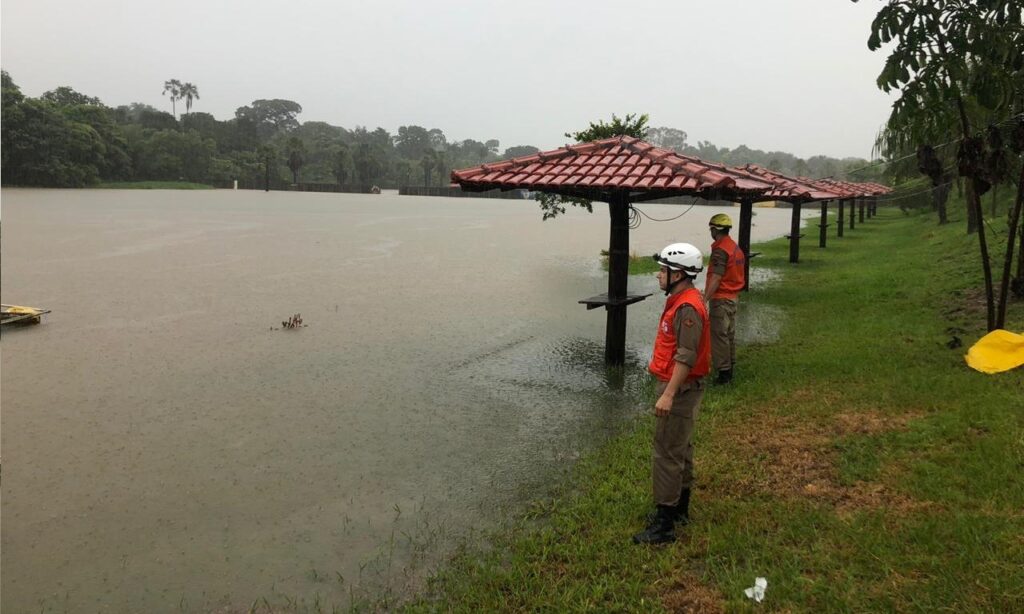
681 358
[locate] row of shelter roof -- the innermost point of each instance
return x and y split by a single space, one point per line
624 164
622 170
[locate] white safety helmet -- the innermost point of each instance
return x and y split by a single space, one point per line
681 257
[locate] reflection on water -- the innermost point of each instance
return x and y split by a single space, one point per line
164 449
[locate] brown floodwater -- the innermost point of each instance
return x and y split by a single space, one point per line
165 450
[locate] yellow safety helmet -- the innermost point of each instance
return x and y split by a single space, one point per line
720 221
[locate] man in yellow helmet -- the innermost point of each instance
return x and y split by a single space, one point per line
725 280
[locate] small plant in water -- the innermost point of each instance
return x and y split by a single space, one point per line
294 321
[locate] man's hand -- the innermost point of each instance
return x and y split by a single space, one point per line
663 406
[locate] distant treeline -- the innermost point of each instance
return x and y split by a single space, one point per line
68 139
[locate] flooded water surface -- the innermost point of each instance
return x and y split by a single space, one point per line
164 449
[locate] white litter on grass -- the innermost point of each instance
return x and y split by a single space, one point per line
756 592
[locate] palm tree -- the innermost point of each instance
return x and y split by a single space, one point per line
173 87
188 92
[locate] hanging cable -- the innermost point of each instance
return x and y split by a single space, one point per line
636 213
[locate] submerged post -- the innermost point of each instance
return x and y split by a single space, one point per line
823 225
842 221
794 234
618 279
746 217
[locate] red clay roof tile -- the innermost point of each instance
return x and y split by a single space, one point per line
618 164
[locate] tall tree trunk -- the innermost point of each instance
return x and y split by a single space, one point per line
972 214
1004 286
939 197
974 205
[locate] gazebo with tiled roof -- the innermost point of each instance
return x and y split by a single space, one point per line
805 191
618 170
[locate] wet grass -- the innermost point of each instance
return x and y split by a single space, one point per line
856 463
152 185
638 265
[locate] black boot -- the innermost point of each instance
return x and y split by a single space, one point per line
683 508
661 529
680 511
724 376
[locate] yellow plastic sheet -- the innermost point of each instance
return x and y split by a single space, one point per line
998 351
18 309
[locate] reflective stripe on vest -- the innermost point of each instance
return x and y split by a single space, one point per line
663 361
732 280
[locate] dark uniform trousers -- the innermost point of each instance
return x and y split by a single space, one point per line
673 443
723 333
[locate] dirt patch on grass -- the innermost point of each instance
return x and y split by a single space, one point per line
686 593
792 457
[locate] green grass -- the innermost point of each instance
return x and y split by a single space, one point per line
152 185
925 507
638 265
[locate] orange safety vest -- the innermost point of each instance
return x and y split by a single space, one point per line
663 361
733 280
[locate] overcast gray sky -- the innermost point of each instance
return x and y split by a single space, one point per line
790 75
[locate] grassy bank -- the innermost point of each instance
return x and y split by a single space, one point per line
152 185
857 463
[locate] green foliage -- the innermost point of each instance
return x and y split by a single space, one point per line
630 125
173 155
66 97
669 138
330 154
519 151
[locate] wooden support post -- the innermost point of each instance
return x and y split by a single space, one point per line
842 220
746 218
863 205
823 224
853 212
618 278
794 234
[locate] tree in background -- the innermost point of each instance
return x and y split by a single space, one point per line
553 205
519 151
950 61
428 159
172 89
669 138
268 156
296 157
269 117
64 96
341 164
188 93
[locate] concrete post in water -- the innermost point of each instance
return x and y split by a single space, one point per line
235 187
618 278
794 234
823 225
842 221
746 218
